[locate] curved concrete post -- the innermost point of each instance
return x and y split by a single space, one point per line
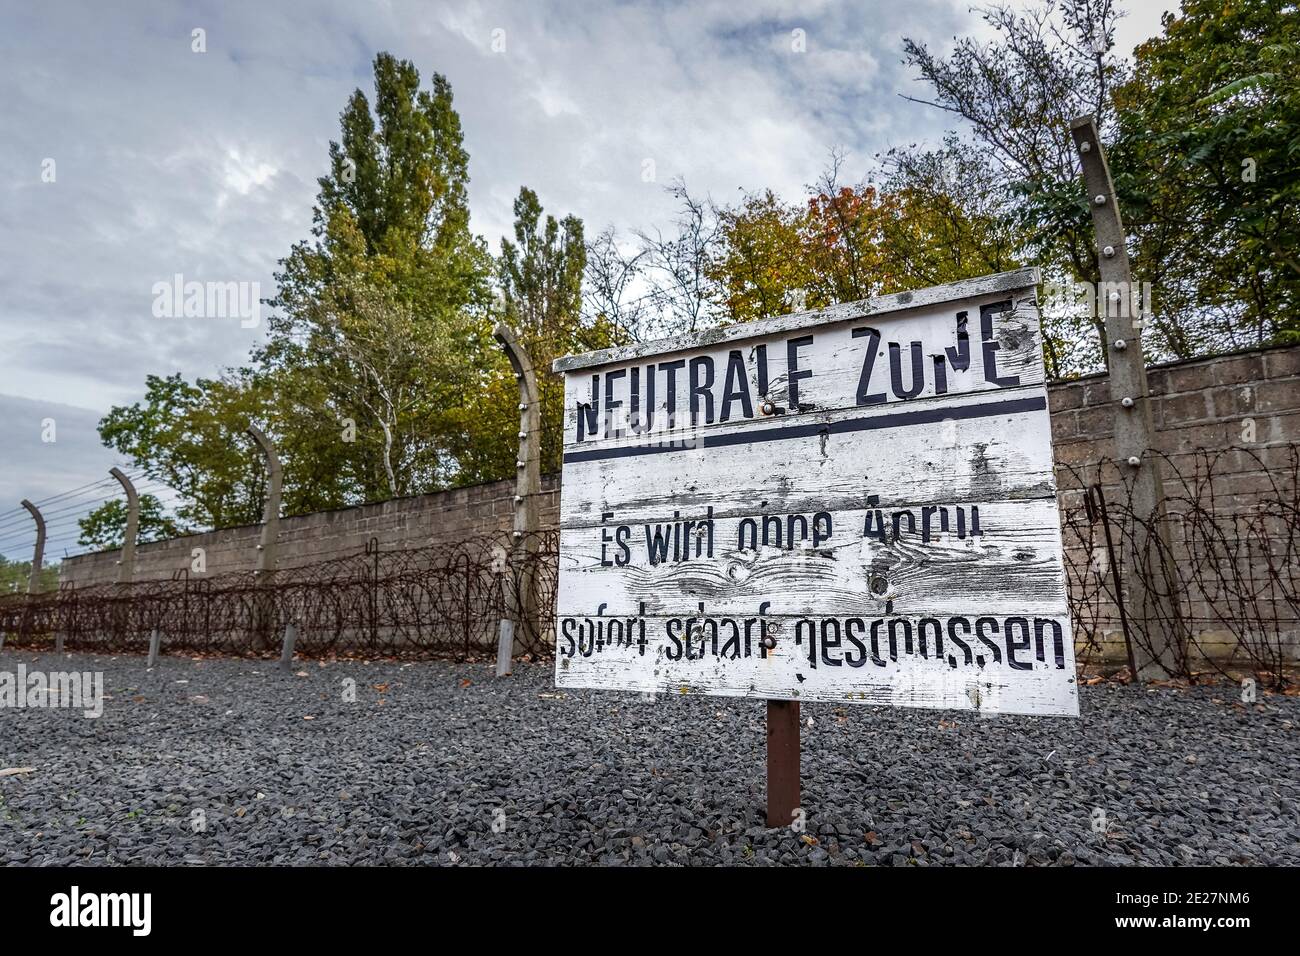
1163 653
266 545
528 469
126 563
263 610
38 554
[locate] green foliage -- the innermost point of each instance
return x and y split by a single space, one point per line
190 438
1210 140
16 575
540 276
379 376
937 219
379 333
1203 140
105 527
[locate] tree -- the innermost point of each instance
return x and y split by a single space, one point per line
678 267
760 266
1018 93
377 343
183 436
611 274
105 527
361 351
540 276
1209 127
1203 108
16 575
948 217
936 219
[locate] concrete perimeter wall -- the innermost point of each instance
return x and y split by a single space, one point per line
418 521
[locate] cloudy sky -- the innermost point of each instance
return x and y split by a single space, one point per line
129 158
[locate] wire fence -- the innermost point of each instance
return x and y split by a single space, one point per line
1226 565
443 601
1223 567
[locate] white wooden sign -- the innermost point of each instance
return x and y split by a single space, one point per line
855 504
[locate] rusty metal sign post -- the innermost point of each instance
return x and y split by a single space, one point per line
783 798
856 504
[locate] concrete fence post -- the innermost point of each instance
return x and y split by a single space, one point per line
155 645
268 541
38 552
521 598
38 559
126 562
1161 653
286 651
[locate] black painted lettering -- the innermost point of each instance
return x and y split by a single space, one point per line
612 428
736 387
794 374
1017 644
670 388
990 346
896 370
588 412
865 396
701 390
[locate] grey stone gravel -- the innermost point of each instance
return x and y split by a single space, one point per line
438 763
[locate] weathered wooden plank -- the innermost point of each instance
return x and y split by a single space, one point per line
997 456
878 306
902 359
1006 553
857 504
967 673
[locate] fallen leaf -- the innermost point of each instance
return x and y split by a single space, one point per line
809 840
465 682
870 837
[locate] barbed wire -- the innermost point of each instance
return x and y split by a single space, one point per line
1225 569
438 601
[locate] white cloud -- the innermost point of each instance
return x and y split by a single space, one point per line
170 161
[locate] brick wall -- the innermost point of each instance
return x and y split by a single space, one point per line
1246 405
1203 403
443 517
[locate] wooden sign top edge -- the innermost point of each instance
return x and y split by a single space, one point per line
1017 280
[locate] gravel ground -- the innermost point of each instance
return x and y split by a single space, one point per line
230 762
